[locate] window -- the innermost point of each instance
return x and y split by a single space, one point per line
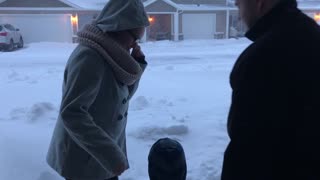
9 27
1 28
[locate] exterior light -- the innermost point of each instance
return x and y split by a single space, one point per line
74 20
317 17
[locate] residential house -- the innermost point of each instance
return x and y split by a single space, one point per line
309 7
60 20
41 20
175 19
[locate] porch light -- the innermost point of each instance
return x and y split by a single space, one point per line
317 17
151 19
75 27
74 20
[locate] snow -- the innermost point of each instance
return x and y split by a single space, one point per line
184 94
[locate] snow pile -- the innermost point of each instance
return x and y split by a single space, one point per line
184 94
156 132
140 103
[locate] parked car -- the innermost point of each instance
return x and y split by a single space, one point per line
10 37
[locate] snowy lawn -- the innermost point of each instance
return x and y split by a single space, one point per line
184 94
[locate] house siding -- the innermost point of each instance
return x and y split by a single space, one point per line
86 18
160 6
73 12
34 4
216 2
221 22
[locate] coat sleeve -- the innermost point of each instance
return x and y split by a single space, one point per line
257 118
248 153
133 88
83 81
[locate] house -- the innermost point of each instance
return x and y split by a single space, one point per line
185 19
309 7
193 19
174 19
203 19
41 20
60 20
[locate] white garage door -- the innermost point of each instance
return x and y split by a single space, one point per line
41 28
198 26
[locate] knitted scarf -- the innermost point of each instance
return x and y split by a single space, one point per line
125 68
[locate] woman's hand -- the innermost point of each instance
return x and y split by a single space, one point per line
119 170
137 52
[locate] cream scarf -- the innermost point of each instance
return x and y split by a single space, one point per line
125 68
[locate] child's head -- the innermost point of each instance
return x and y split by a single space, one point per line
167 160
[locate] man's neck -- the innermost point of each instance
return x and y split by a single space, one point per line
268 6
271 17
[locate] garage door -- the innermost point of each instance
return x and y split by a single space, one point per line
41 28
198 26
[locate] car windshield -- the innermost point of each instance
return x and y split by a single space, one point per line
9 27
1 28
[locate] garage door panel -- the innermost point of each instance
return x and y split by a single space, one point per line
41 28
198 26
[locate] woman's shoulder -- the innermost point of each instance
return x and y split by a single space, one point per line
85 52
85 56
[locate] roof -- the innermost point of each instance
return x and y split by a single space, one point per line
178 4
37 5
190 6
149 2
34 4
212 2
201 7
302 4
90 4
98 5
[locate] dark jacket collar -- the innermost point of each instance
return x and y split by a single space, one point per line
267 21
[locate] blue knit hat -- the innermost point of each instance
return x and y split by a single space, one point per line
167 161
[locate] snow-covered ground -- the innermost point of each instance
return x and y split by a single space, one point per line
184 94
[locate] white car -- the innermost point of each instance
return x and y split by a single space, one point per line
10 37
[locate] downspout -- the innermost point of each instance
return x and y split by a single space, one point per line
177 24
179 12
228 24
228 20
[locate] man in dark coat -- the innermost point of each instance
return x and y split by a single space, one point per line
274 120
